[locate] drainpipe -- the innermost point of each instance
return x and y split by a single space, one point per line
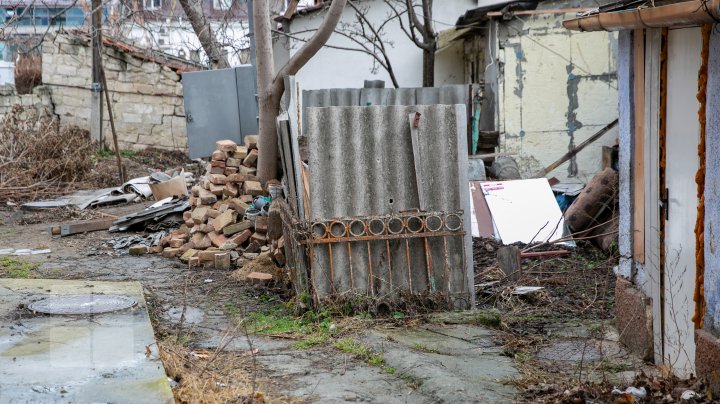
689 13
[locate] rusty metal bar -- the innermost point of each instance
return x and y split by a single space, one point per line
382 237
370 276
447 264
332 277
407 257
428 266
352 279
389 258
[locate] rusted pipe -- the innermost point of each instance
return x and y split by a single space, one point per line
688 13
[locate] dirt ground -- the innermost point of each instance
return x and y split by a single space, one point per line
225 340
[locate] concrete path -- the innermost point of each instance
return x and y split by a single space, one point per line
109 357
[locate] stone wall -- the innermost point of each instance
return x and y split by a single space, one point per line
38 100
147 96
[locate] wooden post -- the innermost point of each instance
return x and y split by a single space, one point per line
508 257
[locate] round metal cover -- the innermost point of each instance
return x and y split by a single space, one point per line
82 304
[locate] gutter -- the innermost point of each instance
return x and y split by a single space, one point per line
688 13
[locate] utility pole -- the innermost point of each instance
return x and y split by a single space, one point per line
96 108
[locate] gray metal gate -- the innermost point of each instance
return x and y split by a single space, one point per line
219 104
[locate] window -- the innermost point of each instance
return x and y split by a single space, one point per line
75 17
152 4
222 4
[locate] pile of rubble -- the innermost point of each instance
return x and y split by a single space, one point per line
230 217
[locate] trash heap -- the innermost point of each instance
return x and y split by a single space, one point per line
228 220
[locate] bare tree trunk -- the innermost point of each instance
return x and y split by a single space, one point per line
268 109
428 72
269 93
201 26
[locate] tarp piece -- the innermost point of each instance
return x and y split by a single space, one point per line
524 210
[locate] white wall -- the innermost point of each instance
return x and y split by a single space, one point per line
178 38
333 68
544 67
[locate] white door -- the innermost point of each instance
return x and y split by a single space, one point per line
683 130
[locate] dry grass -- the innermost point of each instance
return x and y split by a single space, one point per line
38 158
210 376
28 72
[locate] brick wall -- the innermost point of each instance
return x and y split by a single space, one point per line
147 97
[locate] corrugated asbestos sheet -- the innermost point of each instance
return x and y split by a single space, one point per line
366 169
347 97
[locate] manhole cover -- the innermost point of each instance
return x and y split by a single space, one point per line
571 351
82 304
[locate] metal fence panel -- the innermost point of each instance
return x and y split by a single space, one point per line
365 171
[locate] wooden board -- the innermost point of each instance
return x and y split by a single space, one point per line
638 165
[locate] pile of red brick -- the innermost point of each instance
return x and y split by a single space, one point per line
216 230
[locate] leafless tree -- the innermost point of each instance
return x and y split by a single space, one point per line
203 30
271 85
419 28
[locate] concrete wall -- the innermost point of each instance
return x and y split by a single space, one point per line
556 89
335 68
147 97
626 125
712 190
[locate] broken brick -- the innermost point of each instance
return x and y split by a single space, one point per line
138 249
251 159
216 163
259 277
261 224
251 142
236 227
207 198
226 145
191 252
171 252
216 189
247 170
231 170
176 242
219 155
259 238
222 261
224 219
240 152
231 190
233 162
239 206
217 170
253 188
217 239
218 179
240 238
208 255
213 213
